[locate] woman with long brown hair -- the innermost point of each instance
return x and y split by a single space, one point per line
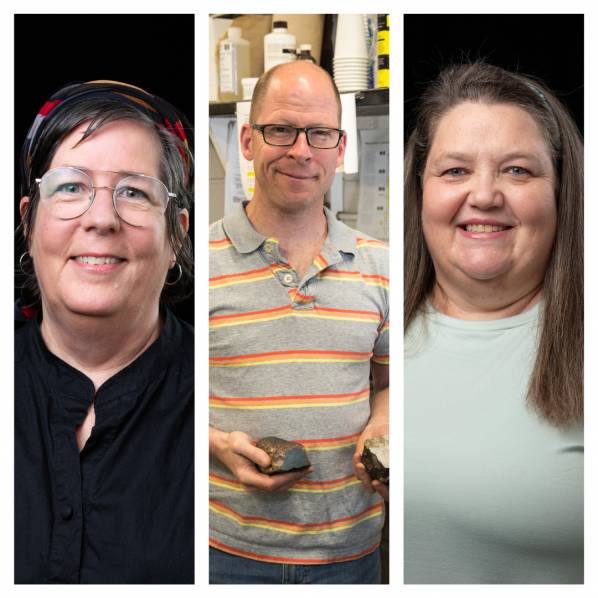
493 312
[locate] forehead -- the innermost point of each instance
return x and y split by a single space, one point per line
117 146
305 97
479 128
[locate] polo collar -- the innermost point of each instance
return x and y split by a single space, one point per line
246 239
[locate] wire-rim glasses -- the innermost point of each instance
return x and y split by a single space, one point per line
138 199
287 135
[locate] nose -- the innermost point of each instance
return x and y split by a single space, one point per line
101 215
300 150
485 192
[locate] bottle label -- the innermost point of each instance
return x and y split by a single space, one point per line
278 53
383 43
226 69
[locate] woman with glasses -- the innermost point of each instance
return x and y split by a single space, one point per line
103 369
493 333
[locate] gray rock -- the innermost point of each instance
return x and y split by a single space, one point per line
285 456
376 458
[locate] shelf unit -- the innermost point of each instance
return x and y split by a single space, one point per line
368 102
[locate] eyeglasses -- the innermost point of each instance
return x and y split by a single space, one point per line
138 199
287 135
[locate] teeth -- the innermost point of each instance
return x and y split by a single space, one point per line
97 260
483 228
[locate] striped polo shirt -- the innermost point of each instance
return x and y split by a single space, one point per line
291 358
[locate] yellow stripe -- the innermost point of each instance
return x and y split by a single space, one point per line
212 248
296 315
227 284
226 486
296 406
333 446
295 532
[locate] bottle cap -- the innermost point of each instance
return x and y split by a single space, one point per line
305 47
234 32
279 25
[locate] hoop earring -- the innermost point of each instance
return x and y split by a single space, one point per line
21 265
179 278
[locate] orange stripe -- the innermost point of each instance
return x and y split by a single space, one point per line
304 526
276 353
228 276
302 397
274 559
302 483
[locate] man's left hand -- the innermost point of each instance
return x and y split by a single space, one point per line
362 475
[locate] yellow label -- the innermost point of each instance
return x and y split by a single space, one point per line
387 21
384 78
383 43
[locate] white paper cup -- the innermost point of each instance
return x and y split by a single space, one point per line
350 37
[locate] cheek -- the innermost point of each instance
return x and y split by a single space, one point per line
439 206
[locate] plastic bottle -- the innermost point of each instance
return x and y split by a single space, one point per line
279 46
306 53
234 65
383 51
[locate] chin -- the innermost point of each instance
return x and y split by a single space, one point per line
97 307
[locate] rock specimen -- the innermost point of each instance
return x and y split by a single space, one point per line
375 457
285 456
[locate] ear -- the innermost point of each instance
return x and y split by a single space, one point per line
23 210
23 206
342 147
184 214
246 146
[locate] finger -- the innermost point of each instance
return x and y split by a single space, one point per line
284 481
363 476
251 452
382 489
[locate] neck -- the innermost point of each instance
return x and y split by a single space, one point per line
99 347
301 233
484 302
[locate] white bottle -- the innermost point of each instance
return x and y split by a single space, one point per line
279 46
234 65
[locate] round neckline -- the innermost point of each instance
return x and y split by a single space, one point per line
501 324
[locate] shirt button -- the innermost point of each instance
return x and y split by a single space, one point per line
268 247
66 512
288 278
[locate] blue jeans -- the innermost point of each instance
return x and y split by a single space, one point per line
228 568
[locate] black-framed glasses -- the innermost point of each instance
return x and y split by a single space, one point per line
138 199
287 135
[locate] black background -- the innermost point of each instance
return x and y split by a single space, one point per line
546 46
154 52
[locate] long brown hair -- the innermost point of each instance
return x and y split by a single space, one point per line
555 388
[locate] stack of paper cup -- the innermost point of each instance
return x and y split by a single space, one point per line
350 60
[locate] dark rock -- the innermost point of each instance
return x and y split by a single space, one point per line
375 457
285 456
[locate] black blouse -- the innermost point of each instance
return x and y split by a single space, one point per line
121 511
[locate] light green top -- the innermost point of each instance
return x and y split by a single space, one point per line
492 493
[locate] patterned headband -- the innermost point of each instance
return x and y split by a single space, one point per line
162 113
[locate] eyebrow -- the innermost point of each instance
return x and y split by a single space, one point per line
110 171
511 156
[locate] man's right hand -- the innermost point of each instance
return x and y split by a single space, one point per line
237 451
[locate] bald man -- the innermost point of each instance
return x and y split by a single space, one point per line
299 317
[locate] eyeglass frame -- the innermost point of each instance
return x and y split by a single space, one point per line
94 187
297 131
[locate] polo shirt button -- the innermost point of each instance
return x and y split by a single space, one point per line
288 278
66 512
268 247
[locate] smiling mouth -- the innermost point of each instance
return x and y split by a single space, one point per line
299 178
92 260
483 228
